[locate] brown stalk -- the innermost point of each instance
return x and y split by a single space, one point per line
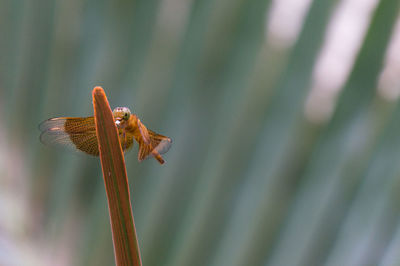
126 248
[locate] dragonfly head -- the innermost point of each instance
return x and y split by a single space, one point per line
121 115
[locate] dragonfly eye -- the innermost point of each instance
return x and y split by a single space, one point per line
126 116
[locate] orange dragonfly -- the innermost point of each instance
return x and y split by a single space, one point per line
79 133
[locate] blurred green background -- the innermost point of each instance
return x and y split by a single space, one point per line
283 114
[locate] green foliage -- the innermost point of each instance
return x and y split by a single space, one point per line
249 179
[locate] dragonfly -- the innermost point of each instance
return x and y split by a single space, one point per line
79 133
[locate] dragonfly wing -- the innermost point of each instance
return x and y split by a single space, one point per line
77 124
78 133
159 144
144 132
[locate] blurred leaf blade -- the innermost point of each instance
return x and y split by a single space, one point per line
281 123
250 175
338 160
369 216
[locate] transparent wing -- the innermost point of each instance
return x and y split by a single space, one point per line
77 133
159 144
